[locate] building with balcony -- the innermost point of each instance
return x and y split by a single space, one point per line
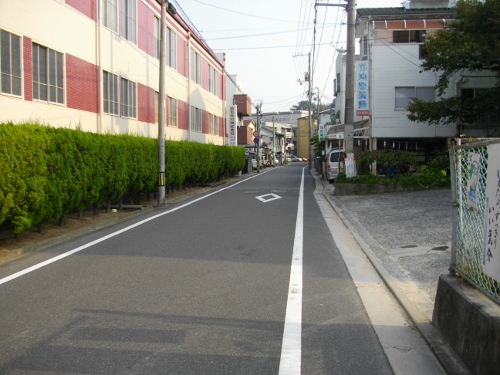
388 73
94 65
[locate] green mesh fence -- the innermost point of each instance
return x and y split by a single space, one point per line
471 163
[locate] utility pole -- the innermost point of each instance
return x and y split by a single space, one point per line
161 115
258 107
310 79
274 143
350 60
349 89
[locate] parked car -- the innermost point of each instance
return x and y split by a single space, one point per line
335 164
293 158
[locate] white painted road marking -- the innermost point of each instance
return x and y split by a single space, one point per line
268 197
291 347
83 247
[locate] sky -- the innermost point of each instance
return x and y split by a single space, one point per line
267 44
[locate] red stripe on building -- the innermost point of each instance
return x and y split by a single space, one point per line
82 84
27 66
146 103
86 7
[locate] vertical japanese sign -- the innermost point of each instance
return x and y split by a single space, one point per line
473 179
321 132
491 250
362 97
350 166
232 132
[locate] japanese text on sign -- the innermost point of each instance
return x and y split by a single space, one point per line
491 250
362 89
232 125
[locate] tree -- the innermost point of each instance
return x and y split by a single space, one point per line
318 146
304 106
471 44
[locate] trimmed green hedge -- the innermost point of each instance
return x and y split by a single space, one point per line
48 172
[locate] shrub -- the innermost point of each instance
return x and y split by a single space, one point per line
47 172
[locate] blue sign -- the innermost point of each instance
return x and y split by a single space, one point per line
256 140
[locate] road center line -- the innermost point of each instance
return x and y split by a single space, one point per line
291 347
87 245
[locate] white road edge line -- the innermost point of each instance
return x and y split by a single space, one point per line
291 347
86 246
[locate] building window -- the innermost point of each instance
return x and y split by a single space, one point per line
109 12
408 36
10 63
423 53
172 49
128 98
195 119
157 36
48 74
172 112
211 123
213 80
363 44
195 67
110 93
403 95
128 20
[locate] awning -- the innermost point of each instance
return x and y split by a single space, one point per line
414 24
360 130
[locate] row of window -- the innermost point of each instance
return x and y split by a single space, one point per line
196 121
127 25
47 69
403 95
119 94
128 17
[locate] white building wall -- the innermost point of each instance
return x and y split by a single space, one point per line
397 65
58 26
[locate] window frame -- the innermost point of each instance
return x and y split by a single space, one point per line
48 78
171 48
213 80
195 66
408 36
128 98
110 93
415 94
110 14
10 70
172 112
128 20
196 120
213 124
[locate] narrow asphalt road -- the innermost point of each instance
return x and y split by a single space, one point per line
250 278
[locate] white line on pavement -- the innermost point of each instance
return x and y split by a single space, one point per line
290 362
87 245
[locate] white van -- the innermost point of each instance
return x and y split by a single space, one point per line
335 164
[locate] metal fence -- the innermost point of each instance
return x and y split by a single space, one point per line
469 177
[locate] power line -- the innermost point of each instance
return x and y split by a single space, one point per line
252 35
244 14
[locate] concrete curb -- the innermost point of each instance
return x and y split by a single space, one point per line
447 357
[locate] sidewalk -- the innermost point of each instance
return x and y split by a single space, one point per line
407 237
